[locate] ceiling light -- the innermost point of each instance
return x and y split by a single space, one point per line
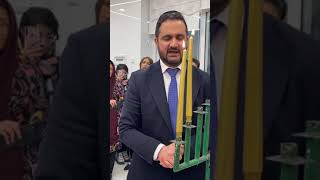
111 5
122 10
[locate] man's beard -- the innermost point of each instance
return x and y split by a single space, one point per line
171 63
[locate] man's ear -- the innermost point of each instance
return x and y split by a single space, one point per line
156 41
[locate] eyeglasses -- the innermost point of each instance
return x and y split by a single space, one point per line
122 72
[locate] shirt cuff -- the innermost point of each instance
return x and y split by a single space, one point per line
156 152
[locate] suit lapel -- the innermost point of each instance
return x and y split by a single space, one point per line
159 94
196 80
157 89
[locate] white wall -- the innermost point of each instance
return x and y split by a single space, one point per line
125 38
147 40
294 13
72 18
194 14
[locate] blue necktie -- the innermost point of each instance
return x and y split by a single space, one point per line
173 98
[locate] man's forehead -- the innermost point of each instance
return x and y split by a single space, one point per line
172 27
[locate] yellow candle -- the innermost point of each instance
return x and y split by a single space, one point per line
181 94
189 81
252 152
228 108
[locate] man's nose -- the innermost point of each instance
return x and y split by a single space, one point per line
174 43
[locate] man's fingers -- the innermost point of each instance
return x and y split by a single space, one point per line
171 162
168 164
181 149
164 165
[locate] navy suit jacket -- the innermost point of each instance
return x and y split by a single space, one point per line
145 123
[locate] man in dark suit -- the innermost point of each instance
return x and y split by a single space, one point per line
147 122
290 71
76 143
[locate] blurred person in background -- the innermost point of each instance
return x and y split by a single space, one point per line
121 84
35 78
276 8
145 62
114 115
119 91
11 161
77 132
102 10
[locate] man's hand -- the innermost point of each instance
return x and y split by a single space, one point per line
10 130
166 155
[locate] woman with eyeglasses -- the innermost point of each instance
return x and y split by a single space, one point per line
35 78
113 117
119 95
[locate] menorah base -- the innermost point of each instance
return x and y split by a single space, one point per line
295 161
191 163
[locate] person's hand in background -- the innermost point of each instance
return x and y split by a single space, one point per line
113 103
10 130
29 43
125 82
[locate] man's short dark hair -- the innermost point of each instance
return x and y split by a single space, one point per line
281 6
170 15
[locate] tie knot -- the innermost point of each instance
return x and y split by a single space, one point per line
172 72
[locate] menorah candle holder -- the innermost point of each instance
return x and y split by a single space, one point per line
312 136
289 160
289 155
202 142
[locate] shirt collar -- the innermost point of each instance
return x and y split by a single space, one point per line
164 67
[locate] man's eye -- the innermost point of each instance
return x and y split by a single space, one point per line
180 37
166 38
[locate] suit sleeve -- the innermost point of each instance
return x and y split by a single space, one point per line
130 135
68 149
206 93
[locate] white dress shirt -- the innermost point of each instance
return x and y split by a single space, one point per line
167 80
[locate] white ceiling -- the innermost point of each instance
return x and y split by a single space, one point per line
132 8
